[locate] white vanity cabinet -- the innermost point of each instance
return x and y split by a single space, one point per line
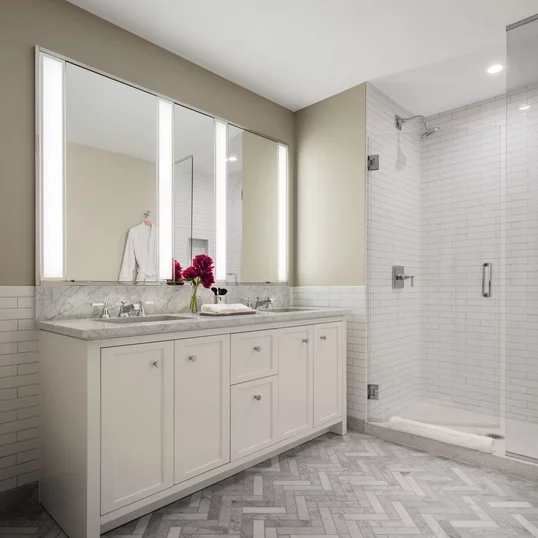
132 423
202 405
137 410
328 367
296 380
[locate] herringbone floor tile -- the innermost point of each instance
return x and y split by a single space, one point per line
355 486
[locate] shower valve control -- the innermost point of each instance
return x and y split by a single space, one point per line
399 277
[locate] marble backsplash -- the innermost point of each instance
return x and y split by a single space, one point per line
74 302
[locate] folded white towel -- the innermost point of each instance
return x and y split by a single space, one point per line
222 308
445 435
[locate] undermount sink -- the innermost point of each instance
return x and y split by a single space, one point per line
289 309
144 319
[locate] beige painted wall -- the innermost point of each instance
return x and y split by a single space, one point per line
331 140
68 30
106 195
260 210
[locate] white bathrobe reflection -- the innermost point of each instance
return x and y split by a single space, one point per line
140 259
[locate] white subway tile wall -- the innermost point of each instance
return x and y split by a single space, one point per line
394 238
19 388
522 257
353 297
462 197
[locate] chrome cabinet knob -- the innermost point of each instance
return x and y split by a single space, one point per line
258 397
157 364
193 358
324 337
257 348
306 340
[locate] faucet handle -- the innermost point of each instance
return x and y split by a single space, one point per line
140 309
105 314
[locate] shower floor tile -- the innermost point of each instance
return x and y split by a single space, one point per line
354 486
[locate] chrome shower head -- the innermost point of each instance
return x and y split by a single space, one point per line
428 129
428 132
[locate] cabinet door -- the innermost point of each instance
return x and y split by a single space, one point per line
137 408
202 408
254 416
295 380
254 355
328 365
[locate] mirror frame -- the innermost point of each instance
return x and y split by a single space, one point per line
283 183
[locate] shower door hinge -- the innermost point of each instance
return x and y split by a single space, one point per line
373 162
373 392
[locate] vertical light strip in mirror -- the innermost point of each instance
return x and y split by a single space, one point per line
282 213
221 155
52 166
165 165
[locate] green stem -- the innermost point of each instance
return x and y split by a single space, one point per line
194 300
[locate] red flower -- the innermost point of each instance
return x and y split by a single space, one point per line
176 270
204 266
190 273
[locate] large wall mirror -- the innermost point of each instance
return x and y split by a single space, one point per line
129 182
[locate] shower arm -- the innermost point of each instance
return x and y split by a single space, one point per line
400 121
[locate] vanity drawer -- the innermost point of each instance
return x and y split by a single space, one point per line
254 414
254 355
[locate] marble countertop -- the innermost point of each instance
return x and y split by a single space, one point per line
96 329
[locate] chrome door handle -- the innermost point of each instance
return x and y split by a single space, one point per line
257 348
157 364
306 340
486 287
193 358
324 337
258 397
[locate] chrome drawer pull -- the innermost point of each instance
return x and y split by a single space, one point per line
257 348
193 358
324 337
258 397
306 340
157 364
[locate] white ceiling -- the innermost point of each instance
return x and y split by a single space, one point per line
298 52
447 84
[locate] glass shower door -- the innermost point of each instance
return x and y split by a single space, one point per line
522 242
434 211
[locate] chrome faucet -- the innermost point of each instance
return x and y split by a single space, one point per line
264 302
126 308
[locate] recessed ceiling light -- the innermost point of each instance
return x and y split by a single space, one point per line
524 107
495 68
232 159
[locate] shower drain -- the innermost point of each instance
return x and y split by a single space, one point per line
495 435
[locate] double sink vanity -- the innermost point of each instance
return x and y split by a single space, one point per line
139 412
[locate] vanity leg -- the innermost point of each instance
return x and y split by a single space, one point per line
340 428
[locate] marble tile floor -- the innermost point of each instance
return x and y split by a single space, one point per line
355 486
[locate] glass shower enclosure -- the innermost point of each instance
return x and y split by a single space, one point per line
452 285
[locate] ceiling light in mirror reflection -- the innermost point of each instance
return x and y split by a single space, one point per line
232 159
221 150
523 108
52 163
165 144
494 69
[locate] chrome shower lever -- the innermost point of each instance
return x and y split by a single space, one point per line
403 276
399 277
